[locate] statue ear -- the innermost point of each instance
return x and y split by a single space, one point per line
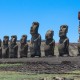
53 33
66 29
78 15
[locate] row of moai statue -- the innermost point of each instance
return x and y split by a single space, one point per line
11 50
49 46
7 51
49 41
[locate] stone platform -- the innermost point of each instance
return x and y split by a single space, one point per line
50 60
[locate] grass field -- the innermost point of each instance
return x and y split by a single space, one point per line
27 76
14 75
11 75
8 65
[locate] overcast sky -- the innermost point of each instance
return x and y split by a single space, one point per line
16 17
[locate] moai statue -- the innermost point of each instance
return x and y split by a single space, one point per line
35 42
5 53
0 49
64 41
79 35
23 46
13 47
49 43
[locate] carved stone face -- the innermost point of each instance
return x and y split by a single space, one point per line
63 30
49 34
5 41
23 39
34 28
13 39
78 15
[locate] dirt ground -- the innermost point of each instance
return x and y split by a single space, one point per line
41 65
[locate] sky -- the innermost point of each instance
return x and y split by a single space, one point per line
16 17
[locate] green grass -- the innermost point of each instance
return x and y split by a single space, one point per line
8 75
76 71
9 65
12 75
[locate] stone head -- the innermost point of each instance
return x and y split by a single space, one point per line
49 34
63 30
34 28
5 40
13 39
23 39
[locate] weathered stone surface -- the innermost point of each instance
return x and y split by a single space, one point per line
49 43
23 46
5 53
64 41
78 46
13 47
35 42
